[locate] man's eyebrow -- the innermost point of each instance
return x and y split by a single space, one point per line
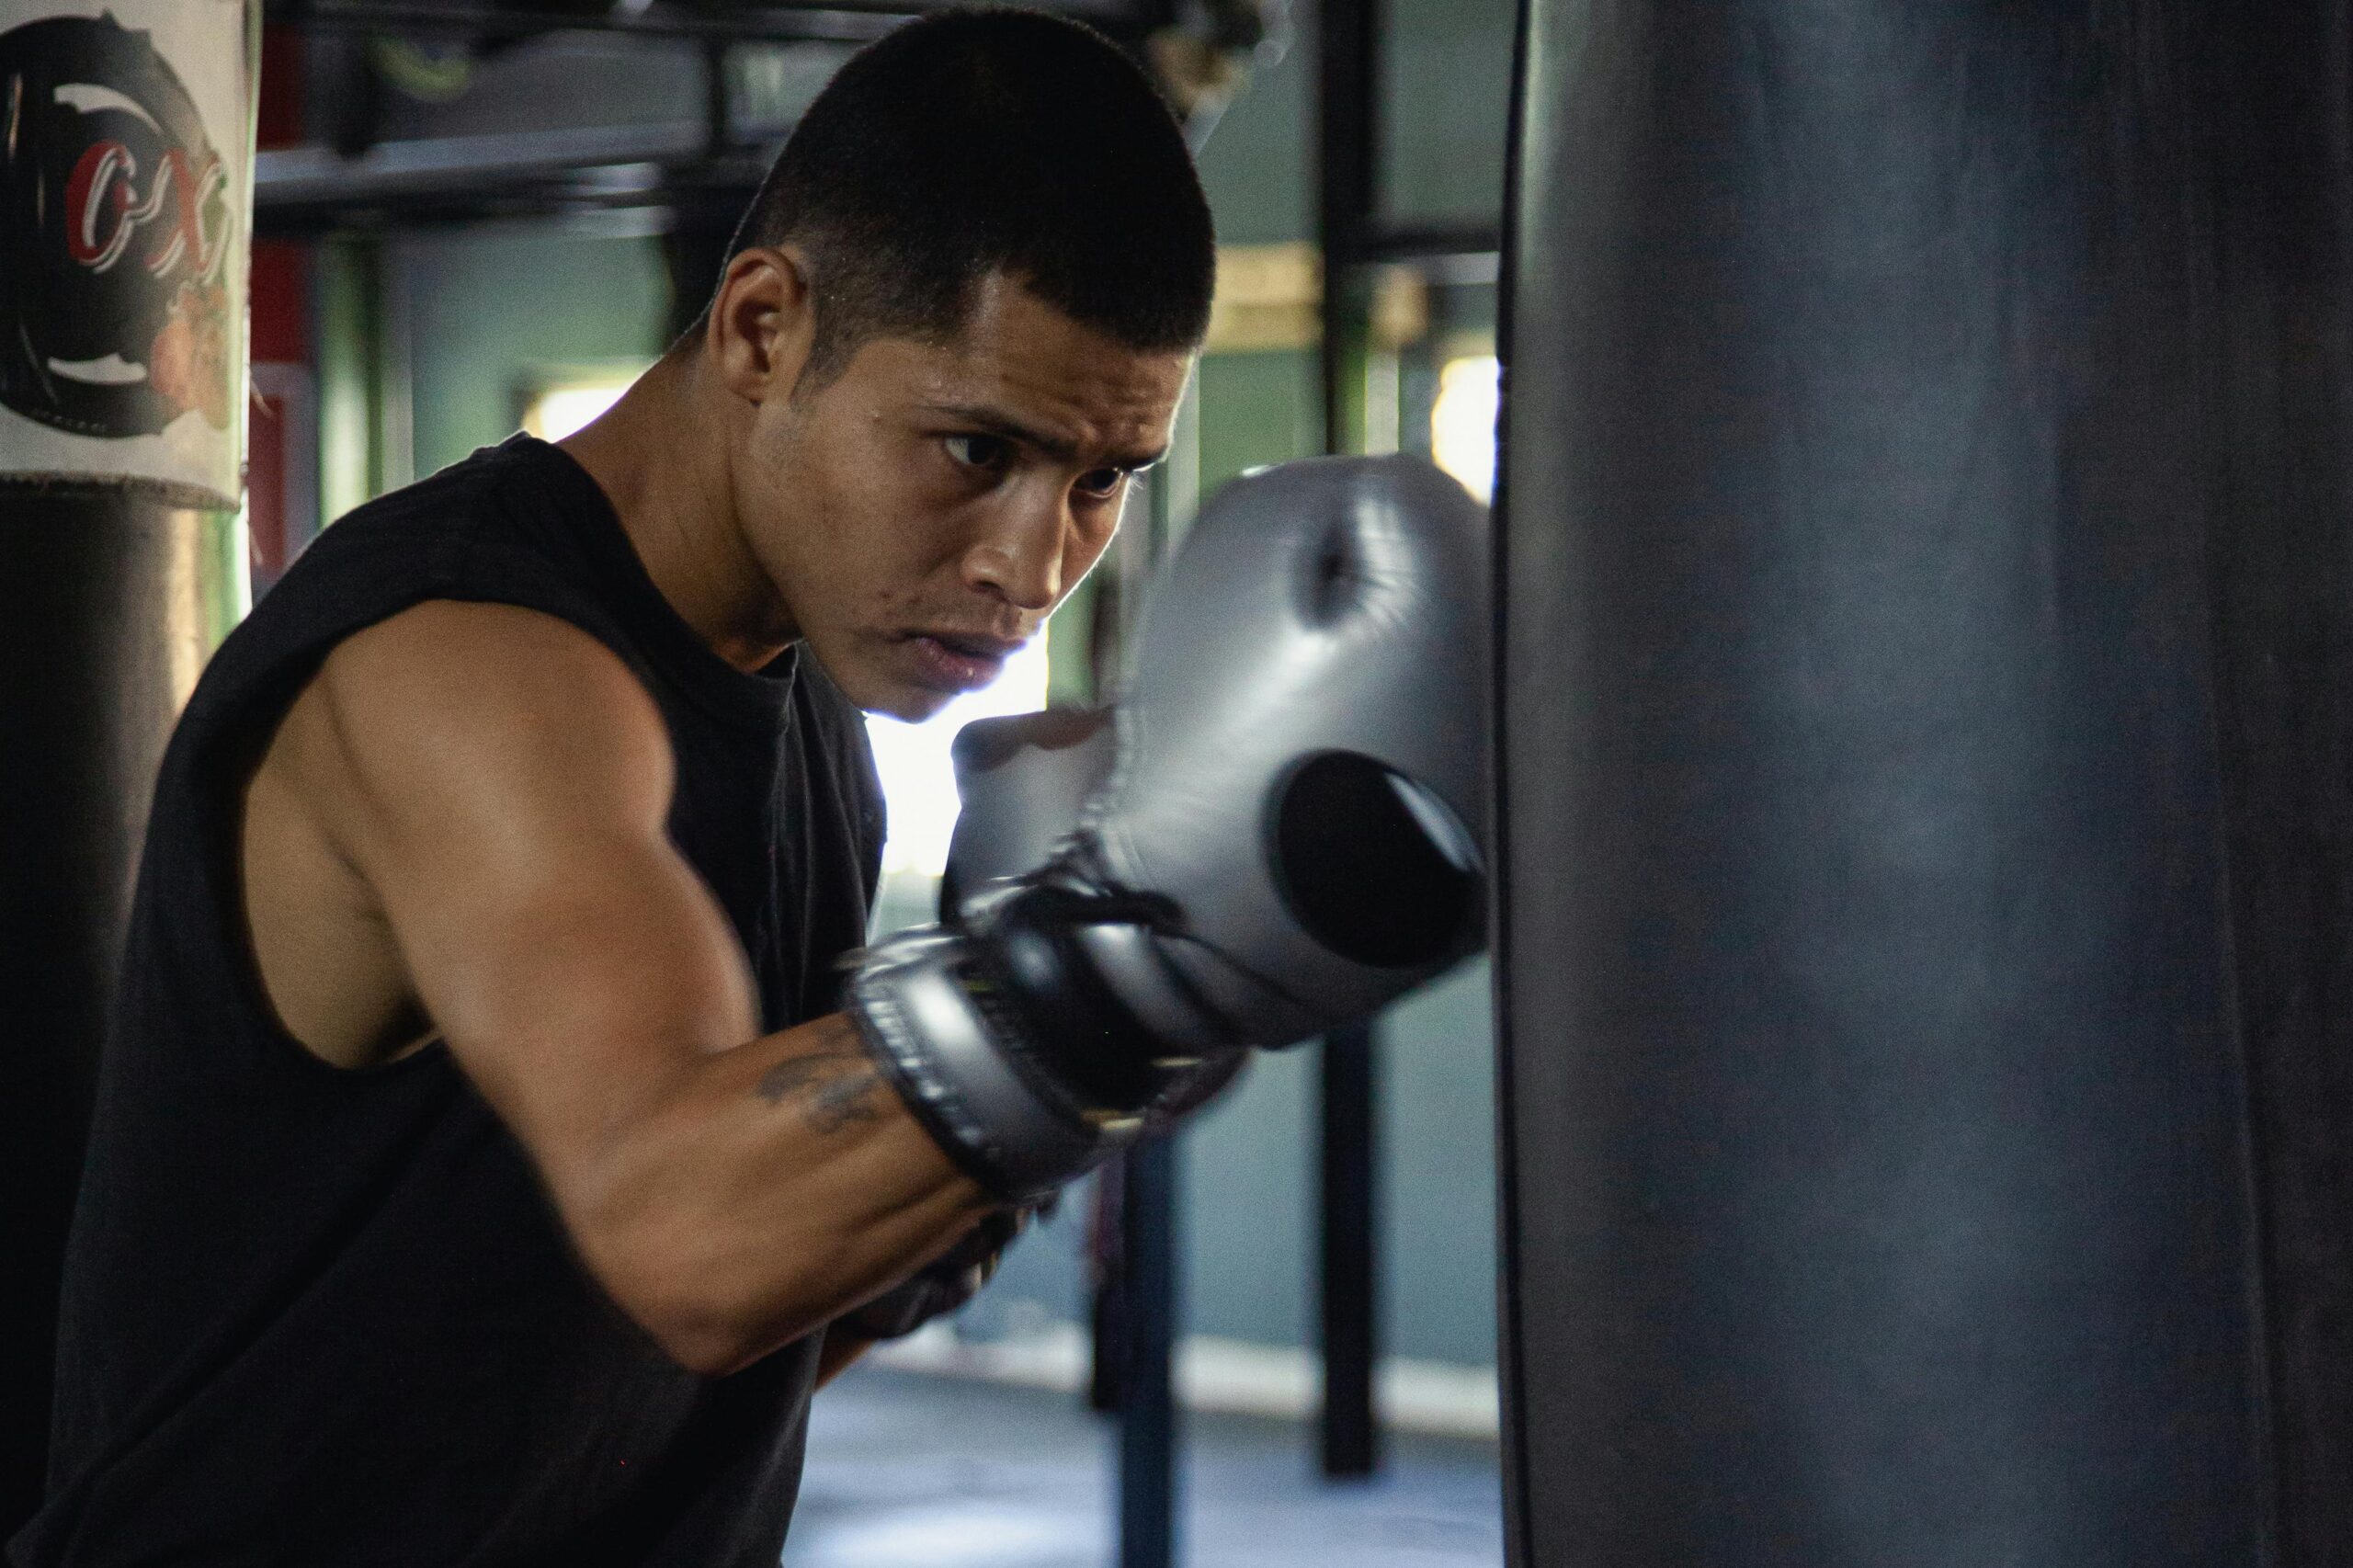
996 422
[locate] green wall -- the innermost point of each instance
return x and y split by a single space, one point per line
1446 75
484 308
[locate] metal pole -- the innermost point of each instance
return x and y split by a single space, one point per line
1349 1435
1348 78
1148 1435
1142 1294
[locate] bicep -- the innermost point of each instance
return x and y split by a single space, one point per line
573 978
509 783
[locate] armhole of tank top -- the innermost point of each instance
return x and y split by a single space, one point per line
221 767
228 754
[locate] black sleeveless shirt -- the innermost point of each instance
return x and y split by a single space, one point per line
328 1317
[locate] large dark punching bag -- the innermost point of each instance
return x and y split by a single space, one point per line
1927 747
124 195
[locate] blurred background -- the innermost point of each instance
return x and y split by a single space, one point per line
1275 1343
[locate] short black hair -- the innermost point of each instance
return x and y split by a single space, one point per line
981 142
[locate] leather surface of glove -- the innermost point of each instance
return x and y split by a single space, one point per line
1302 754
1024 780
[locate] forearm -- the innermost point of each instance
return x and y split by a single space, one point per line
771 1188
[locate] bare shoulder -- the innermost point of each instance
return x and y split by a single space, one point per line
456 709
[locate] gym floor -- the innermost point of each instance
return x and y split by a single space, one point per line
908 1469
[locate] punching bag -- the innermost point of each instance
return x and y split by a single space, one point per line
124 182
1925 739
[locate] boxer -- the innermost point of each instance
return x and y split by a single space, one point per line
489 1159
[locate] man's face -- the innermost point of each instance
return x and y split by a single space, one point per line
923 511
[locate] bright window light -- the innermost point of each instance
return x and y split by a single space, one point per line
1462 421
558 411
918 780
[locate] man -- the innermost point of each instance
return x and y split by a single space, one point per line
480 1159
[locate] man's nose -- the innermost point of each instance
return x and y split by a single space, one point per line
1021 560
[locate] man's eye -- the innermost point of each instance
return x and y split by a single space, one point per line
979 451
1102 482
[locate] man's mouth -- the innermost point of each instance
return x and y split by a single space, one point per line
959 661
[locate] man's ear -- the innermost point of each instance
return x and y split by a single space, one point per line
763 322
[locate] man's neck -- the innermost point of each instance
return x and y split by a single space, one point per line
662 463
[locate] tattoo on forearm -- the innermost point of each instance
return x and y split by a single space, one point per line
834 1088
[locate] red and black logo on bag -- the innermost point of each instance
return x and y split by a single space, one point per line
115 235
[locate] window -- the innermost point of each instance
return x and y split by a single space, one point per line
556 404
1462 421
913 759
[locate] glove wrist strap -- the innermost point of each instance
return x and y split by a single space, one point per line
925 1009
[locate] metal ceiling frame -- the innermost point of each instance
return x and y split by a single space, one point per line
697 170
